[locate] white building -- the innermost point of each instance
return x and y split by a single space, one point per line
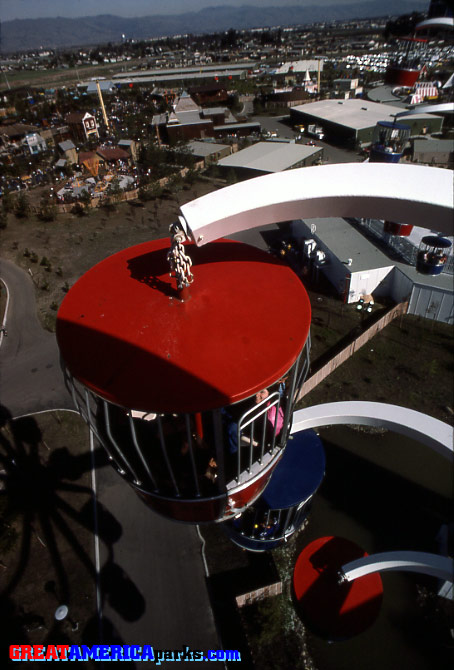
35 143
355 266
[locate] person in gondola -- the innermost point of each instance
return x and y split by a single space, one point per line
274 416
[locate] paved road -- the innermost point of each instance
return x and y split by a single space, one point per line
161 597
31 378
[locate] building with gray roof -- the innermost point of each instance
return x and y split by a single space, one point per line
353 121
209 151
356 266
267 157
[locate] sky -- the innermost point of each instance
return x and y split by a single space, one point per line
33 9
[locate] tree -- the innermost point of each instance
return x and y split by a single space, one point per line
108 204
78 209
8 201
85 199
47 210
3 219
114 190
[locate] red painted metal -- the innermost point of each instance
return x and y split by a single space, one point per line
190 511
124 333
333 610
248 494
401 76
206 510
399 229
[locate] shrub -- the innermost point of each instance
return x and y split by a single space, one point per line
47 210
22 206
78 209
108 204
144 194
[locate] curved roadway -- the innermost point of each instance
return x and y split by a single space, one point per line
31 378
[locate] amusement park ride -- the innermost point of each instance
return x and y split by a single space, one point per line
406 68
388 144
185 356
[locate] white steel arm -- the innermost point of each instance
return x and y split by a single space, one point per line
423 428
408 561
441 108
414 194
437 22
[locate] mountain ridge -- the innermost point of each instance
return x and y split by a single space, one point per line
25 34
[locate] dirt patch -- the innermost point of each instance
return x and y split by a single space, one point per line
46 537
409 363
73 244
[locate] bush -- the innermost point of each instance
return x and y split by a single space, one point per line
47 210
22 207
108 204
78 209
8 202
144 194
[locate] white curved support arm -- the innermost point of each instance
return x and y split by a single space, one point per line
437 22
414 194
420 427
407 561
441 108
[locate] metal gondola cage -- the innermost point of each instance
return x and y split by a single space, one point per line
190 388
432 254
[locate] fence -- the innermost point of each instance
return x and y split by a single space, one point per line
259 594
349 350
133 194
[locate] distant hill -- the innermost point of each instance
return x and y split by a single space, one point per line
23 34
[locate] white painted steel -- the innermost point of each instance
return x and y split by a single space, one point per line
415 194
407 561
441 108
437 22
423 428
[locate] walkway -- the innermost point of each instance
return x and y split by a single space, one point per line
31 378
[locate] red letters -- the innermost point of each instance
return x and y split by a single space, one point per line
38 652
63 651
14 652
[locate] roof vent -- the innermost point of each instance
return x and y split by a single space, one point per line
364 108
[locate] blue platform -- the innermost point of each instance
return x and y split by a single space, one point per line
285 503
